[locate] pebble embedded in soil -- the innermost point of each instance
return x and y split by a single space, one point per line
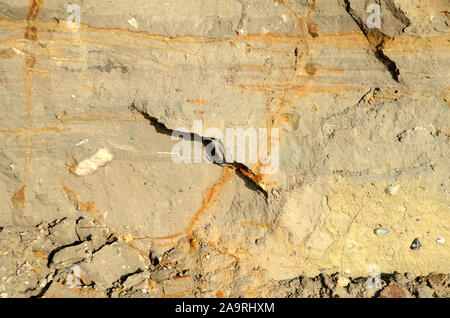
440 240
381 231
392 189
416 245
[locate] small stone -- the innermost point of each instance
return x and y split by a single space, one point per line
340 292
392 189
133 23
381 231
347 271
400 279
416 245
440 240
343 281
424 292
394 291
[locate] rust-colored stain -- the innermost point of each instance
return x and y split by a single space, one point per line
18 199
32 30
220 294
249 174
64 118
88 89
298 90
254 224
298 20
34 131
199 101
284 98
91 91
88 206
336 39
29 65
144 254
40 254
250 67
209 197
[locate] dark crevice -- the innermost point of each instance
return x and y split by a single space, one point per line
377 39
251 180
56 250
110 240
77 221
118 283
54 223
43 290
124 277
215 151
162 129
390 65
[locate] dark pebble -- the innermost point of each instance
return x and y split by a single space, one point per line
416 245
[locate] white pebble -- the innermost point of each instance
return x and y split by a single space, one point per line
392 189
133 23
440 240
381 231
